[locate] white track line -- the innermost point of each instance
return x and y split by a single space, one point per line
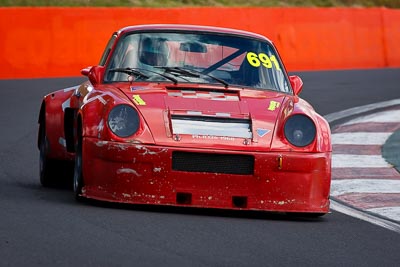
389 212
365 216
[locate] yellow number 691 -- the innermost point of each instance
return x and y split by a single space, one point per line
262 59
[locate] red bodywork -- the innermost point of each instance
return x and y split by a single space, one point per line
157 166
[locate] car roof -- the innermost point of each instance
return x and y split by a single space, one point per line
191 28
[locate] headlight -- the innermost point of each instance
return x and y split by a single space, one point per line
300 130
123 120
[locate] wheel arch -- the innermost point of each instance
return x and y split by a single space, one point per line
70 124
41 122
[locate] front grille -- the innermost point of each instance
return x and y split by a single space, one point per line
213 163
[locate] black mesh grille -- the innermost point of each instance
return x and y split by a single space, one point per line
213 163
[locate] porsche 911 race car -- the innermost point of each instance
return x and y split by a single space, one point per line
193 116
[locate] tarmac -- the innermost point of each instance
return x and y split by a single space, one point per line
366 159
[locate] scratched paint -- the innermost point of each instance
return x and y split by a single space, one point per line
120 147
100 127
127 170
100 98
62 142
280 202
101 143
147 151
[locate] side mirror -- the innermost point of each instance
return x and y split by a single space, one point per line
95 74
296 83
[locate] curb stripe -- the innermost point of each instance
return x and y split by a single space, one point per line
365 173
356 161
341 187
357 149
373 127
361 138
332 117
384 116
371 200
363 180
392 213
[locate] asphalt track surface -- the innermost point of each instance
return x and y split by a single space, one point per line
46 227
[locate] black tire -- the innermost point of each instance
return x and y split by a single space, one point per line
47 167
78 173
52 172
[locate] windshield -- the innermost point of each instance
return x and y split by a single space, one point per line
197 58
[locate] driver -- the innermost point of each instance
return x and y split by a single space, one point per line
153 52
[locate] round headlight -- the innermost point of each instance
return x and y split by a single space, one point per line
123 120
300 130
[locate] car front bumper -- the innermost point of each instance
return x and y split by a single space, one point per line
146 174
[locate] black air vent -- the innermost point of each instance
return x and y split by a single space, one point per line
213 163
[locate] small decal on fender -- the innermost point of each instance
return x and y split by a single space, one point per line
138 100
262 132
273 105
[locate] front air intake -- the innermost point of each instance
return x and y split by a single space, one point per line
213 163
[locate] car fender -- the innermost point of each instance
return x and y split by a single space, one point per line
94 114
295 105
52 114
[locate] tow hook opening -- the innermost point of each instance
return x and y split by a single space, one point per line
184 198
239 202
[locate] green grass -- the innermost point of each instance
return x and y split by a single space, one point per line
181 3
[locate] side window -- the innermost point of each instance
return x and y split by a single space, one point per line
108 49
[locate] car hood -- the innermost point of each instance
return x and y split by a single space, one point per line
209 117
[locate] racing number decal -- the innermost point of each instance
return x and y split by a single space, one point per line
262 59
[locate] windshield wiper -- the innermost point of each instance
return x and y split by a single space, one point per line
139 72
130 71
208 75
191 73
178 71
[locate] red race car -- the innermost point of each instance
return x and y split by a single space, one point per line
189 116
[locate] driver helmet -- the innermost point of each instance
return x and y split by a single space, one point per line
153 51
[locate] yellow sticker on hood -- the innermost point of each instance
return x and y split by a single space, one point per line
273 105
138 100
